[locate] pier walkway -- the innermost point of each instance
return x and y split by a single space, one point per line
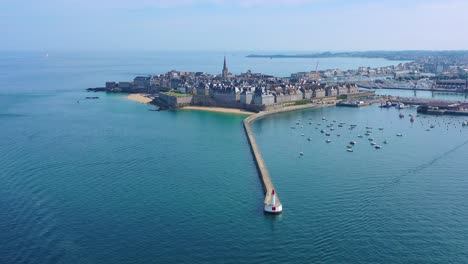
261 166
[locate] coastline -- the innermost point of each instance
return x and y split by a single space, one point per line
140 98
218 110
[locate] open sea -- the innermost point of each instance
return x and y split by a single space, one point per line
107 181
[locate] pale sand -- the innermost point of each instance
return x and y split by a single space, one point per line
219 110
139 98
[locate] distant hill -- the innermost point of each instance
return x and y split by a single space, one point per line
390 55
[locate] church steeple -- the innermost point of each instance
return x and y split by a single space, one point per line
225 69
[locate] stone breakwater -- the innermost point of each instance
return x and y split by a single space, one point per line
260 163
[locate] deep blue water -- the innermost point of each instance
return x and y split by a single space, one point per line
107 181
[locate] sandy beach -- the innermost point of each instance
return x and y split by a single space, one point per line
141 98
219 110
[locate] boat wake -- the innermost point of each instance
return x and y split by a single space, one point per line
434 160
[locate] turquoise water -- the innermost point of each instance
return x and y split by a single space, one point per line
107 181
404 203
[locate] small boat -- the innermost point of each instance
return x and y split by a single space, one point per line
353 142
293 127
385 142
323 118
377 147
353 125
380 128
370 139
412 119
309 139
332 129
310 123
368 127
327 134
322 131
338 135
432 126
367 134
340 125
349 146
428 129
328 140
302 135
373 143
465 123
360 136
350 150
399 135
401 115
297 123
300 153
334 121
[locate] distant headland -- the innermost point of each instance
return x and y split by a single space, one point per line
412 55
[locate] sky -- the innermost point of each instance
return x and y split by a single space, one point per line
230 25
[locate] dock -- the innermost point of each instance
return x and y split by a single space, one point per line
260 163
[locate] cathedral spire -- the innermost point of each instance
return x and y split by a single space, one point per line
225 69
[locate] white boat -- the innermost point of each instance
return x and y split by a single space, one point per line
353 142
350 150
465 123
328 140
373 143
399 135
300 153
377 147
302 135
360 136
309 139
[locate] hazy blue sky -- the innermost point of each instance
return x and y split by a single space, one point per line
222 25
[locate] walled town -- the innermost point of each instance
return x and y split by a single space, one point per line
257 91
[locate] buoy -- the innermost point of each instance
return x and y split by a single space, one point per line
272 207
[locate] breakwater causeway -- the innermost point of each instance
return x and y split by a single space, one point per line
264 175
